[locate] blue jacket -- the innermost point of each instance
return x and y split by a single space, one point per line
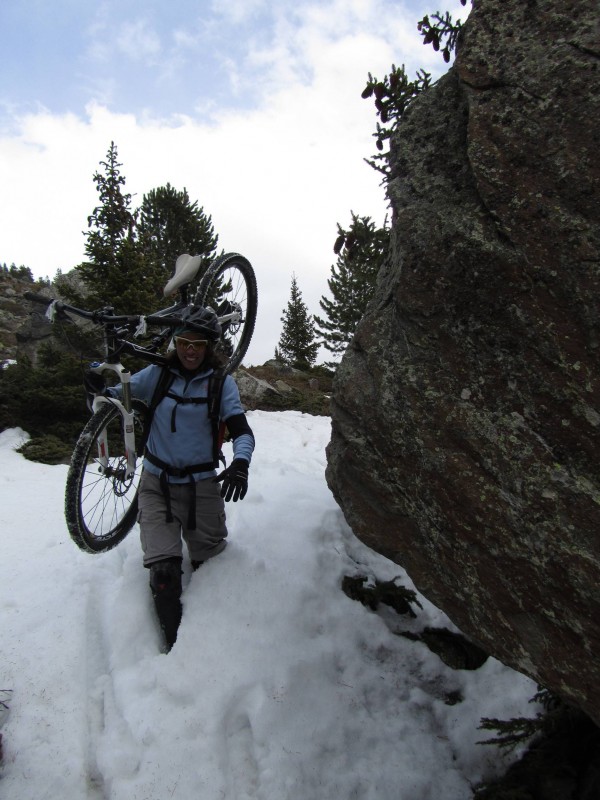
192 441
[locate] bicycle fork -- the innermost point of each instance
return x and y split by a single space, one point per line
125 409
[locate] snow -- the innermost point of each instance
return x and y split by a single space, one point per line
279 686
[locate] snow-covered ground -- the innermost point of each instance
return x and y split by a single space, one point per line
279 687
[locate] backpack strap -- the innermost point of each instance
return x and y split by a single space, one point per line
215 393
179 472
183 401
163 384
213 400
213 397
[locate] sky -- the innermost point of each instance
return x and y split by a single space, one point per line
253 106
279 686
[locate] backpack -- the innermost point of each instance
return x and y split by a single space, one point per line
213 400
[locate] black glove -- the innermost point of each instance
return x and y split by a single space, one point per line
94 384
235 480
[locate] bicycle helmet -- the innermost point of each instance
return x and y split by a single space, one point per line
200 320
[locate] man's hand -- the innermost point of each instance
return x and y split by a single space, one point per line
235 480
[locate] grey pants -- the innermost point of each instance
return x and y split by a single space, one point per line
161 539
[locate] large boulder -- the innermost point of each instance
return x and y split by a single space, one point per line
254 391
466 412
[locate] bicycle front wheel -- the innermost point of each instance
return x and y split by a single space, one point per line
229 287
100 502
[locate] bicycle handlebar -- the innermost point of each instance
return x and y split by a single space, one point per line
101 317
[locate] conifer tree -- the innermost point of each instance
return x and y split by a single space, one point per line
116 273
361 251
297 344
169 225
108 225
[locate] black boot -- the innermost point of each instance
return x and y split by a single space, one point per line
165 583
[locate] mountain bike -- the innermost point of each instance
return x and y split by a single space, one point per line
104 474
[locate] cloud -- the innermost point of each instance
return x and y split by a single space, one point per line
139 41
276 174
238 12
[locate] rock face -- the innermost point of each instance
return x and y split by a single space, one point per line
466 412
14 312
23 324
254 391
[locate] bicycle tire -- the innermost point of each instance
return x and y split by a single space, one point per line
101 509
235 273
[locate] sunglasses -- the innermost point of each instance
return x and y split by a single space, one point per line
195 344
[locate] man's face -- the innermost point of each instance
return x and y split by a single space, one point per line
191 349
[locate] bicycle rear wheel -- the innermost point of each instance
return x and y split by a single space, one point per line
101 504
229 287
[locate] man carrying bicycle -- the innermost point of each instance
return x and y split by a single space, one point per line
179 496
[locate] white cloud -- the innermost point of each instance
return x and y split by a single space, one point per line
138 40
237 12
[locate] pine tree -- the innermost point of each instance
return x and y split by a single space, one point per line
108 225
169 225
297 345
116 273
361 251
